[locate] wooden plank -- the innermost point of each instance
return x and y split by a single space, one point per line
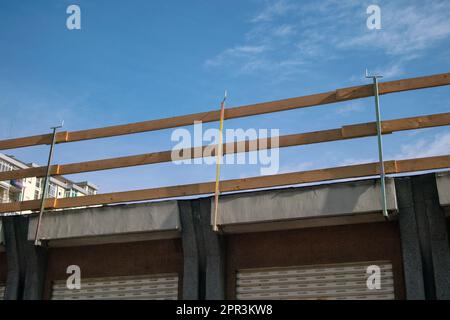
346 132
32 140
338 95
328 174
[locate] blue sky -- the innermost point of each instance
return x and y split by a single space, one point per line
140 60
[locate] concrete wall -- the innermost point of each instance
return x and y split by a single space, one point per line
275 206
448 229
443 187
109 223
3 267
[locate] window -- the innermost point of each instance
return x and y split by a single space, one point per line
70 193
5 166
51 191
36 194
38 182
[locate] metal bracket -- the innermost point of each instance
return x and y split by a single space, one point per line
380 141
37 241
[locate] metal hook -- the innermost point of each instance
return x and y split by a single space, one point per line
374 76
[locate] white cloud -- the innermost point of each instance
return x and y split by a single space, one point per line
349 108
299 34
392 71
283 31
272 10
248 53
439 144
303 166
247 50
406 29
355 161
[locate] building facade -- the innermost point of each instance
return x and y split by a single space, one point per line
32 188
290 243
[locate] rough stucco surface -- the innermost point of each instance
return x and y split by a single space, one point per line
443 186
448 230
2 240
3 268
111 220
317 201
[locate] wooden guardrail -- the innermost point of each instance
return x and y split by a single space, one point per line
345 132
338 95
353 171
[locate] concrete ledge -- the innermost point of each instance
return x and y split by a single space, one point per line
443 187
305 203
303 223
133 222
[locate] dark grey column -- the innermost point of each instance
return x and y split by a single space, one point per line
434 233
37 258
203 250
412 258
215 255
26 263
190 252
14 283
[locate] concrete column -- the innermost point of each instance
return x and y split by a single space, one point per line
412 258
215 255
203 250
36 269
14 278
26 263
433 231
191 272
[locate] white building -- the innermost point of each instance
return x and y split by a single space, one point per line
31 188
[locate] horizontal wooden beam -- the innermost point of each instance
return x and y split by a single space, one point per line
338 95
346 172
346 132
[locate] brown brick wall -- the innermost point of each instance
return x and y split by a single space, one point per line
324 245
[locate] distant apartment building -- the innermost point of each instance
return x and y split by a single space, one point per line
32 188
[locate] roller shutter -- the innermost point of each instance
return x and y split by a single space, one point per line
319 282
2 291
144 287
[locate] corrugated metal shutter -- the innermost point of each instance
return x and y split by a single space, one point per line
327 282
148 287
2 291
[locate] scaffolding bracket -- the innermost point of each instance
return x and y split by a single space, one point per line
37 241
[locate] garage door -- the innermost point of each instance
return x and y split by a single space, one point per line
148 287
328 282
